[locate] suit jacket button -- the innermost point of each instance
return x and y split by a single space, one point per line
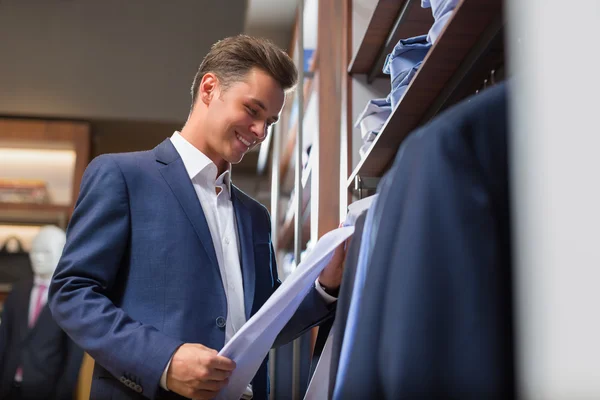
123 379
138 388
221 322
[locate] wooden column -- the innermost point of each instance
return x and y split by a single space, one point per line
331 62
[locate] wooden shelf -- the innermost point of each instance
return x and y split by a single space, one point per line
391 21
34 214
472 21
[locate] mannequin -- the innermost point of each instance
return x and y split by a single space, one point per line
29 337
46 249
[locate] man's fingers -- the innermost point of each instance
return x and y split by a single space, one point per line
222 363
216 375
211 386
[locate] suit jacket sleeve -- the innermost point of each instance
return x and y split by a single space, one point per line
312 311
80 292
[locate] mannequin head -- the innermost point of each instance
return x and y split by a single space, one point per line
46 249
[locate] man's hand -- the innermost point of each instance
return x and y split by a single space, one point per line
197 372
331 277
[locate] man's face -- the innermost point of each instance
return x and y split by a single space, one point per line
239 118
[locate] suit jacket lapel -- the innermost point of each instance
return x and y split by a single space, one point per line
39 322
244 227
175 174
23 317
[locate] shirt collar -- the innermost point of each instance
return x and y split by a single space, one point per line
197 164
37 281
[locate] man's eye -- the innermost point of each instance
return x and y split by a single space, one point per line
251 111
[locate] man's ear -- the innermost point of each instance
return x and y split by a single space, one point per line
208 87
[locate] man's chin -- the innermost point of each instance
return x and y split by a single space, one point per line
235 159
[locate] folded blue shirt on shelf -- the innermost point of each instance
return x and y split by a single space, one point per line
371 120
442 11
402 64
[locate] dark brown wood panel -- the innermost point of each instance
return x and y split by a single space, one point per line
415 21
41 130
34 214
34 207
470 20
346 116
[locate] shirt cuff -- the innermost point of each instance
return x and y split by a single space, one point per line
326 296
163 378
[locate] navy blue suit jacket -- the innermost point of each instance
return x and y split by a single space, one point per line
436 317
139 274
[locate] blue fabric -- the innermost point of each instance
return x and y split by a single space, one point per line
139 276
354 310
442 11
404 81
435 316
402 64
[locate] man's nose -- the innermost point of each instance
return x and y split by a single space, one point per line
259 130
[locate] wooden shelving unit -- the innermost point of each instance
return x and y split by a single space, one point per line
31 135
466 38
35 214
391 21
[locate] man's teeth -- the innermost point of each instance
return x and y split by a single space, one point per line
247 143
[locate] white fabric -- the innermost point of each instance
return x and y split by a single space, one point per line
356 208
372 119
364 149
250 345
220 217
318 388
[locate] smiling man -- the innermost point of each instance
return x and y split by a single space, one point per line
165 258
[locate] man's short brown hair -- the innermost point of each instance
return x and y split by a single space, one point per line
232 58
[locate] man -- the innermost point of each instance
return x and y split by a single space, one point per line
166 259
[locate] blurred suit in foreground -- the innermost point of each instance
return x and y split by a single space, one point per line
435 318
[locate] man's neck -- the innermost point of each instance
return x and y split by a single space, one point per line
189 133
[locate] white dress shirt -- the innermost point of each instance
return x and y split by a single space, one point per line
220 217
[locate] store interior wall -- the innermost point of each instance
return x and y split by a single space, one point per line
125 67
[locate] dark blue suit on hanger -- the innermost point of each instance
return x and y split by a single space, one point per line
139 274
436 318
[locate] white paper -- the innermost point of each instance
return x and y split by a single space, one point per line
250 345
318 388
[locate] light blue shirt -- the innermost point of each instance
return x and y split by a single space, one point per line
403 63
442 10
